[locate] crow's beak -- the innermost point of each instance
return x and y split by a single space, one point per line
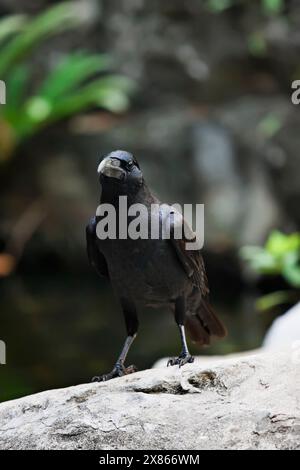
111 167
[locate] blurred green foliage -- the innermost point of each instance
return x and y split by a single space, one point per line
270 125
273 6
270 7
217 6
257 44
73 85
279 256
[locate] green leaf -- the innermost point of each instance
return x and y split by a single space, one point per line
38 109
274 299
10 25
270 125
72 71
273 7
55 19
291 268
71 87
281 255
16 86
217 6
279 244
110 92
257 44
260 260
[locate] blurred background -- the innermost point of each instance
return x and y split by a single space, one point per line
200 92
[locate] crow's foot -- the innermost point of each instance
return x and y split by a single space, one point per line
181 360
118 371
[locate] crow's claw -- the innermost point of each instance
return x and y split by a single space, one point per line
131 369
181 360
118 371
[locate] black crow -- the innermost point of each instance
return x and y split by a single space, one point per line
146 271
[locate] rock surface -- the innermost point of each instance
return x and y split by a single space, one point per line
247 402
285 330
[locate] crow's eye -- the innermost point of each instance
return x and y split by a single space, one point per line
130 164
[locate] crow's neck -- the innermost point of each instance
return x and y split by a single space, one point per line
142 195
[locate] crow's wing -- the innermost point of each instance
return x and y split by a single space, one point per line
191 260
96 258
202 322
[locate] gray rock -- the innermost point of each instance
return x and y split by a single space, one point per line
285 330
249 402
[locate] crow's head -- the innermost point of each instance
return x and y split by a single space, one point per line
120 170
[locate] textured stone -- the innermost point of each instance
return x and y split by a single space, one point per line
247 402
285 331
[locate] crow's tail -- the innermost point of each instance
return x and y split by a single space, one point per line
202 324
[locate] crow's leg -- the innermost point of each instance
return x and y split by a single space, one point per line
131 321
184 356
